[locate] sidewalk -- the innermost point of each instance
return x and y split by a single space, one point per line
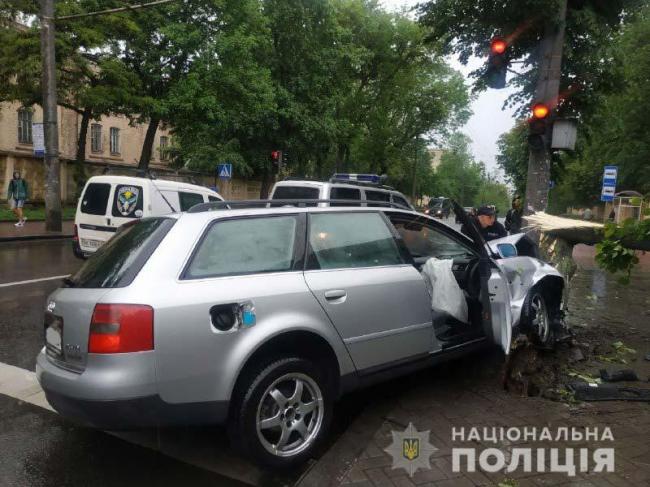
33 230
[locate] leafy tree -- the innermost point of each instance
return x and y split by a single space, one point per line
513 156
466 27
89 81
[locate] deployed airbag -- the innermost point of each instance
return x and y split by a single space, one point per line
446 294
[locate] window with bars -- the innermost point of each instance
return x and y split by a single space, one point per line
115 140
96 137
25 126
164 148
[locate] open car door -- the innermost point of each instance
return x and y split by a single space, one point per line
495 296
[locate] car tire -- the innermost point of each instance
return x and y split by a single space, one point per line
282 412
538 319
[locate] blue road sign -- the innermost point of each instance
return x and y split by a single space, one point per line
224 171
610 175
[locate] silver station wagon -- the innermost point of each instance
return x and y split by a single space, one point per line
263 317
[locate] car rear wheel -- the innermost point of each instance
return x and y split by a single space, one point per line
283 413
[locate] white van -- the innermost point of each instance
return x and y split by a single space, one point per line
110 201
368 191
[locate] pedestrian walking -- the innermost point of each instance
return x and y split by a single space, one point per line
17 193
514 216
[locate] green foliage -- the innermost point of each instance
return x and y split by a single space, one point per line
613 255
513 156
460 177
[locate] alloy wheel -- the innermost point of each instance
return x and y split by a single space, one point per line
290 415
540 322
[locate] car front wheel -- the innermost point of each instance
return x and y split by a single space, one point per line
538 319
283 414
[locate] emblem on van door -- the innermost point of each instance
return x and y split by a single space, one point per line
127 199
50 306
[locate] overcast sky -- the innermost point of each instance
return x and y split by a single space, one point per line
488 120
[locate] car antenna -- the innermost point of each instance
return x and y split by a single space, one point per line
152 177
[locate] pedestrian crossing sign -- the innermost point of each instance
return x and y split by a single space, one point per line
224 171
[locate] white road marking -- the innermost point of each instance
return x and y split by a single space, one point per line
30 281
21 384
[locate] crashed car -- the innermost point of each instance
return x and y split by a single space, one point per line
262 318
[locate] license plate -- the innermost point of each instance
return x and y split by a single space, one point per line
53 334
93 244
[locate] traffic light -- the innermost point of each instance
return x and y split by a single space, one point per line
276 159
495 74
537 126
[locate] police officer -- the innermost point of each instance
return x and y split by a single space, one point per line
488 225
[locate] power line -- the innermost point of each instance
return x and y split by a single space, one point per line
115 10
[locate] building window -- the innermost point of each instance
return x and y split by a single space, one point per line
115 140
25 126
96 137
164 148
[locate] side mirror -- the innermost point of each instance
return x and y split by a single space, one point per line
507 250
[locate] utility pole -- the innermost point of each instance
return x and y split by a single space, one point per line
547 92
50 126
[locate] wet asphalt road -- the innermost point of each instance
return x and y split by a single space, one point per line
38 448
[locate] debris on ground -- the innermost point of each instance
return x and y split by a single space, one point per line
618 375
608 392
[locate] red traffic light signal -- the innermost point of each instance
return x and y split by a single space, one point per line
275 155
498 46
540 111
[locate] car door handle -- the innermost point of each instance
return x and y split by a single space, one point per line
335 294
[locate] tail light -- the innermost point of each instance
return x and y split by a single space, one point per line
75 237
121 328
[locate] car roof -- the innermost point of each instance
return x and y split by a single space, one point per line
319 184
160 183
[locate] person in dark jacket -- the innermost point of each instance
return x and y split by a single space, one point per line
514 216
17 194
488 225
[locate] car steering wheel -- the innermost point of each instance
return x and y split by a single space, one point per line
472 278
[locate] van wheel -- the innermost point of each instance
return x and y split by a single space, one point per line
283 413
538 319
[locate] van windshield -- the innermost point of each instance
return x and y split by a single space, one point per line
95 198
120 259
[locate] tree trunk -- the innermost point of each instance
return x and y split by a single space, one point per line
147 147
80 160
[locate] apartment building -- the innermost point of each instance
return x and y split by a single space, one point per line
111 141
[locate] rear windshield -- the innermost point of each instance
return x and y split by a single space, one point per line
95 198
295 193
120 259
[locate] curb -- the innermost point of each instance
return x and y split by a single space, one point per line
24 238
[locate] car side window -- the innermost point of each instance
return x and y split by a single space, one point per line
424 240
188 200
245 246
349 240
213 198
337 193
377 196
400 201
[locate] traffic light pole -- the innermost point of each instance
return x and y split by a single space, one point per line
50 126
547 91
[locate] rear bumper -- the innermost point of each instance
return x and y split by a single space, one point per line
119 393
136 413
